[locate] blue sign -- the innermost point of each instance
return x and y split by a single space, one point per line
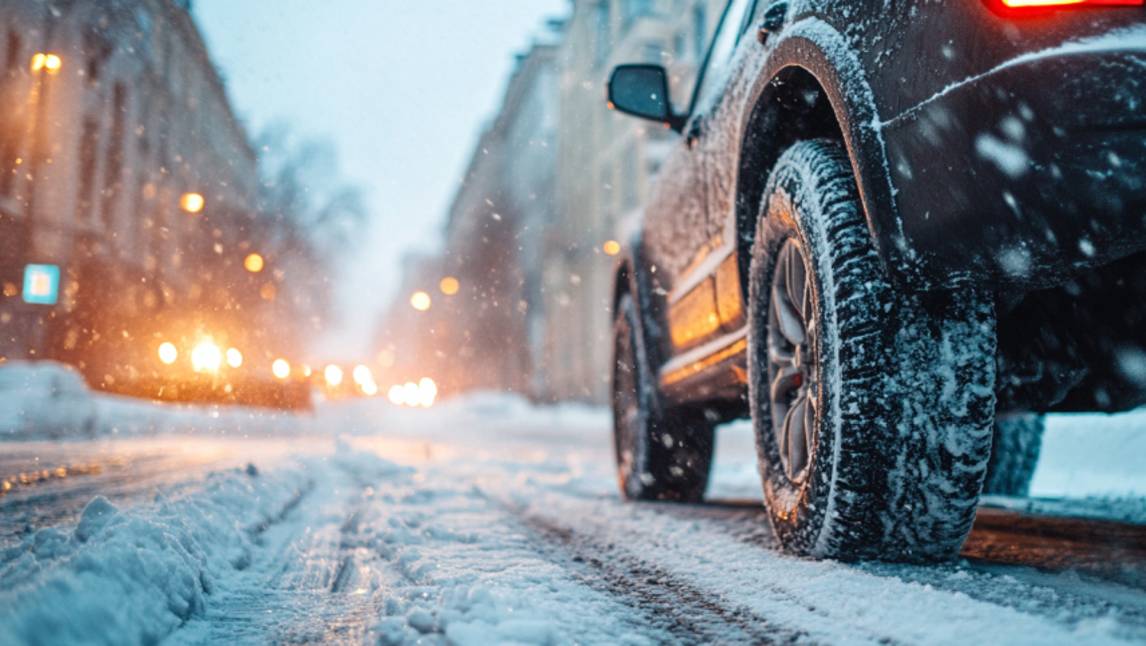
41 284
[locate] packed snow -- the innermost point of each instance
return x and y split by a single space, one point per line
490 520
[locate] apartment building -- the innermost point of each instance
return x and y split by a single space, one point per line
116 113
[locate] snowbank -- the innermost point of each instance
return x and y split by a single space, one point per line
137 574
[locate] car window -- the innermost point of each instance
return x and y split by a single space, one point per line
723 43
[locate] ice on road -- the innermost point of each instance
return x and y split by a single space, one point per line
490 521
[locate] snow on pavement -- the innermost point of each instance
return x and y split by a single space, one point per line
489 521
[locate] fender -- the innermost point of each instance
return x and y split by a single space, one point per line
815 47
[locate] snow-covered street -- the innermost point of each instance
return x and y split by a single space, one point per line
490 521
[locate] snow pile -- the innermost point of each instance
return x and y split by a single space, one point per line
49 400
1093 455
137 575
126 417
44 399
502 415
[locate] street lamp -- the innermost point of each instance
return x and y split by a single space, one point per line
333 376
192 202
47 62
449 285
254 263
611 247
280 368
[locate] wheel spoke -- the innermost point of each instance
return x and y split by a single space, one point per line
809 424
796 431
791 359
787 318
796 283
787 379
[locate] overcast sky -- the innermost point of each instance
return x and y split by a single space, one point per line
401 87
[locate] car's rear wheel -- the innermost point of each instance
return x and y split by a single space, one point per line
1014 454
661 455
872 406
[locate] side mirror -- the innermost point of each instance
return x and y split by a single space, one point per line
642 91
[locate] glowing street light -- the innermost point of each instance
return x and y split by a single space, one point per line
280 369
47 62
234 358
192 202
362 375
449 285
206 357
611 247
254 263
420 301
168 353
427 392
333 375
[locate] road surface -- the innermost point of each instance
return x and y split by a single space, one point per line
494 522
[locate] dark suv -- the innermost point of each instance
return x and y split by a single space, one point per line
895 234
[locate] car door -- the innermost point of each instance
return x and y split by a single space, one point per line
718 116
694 306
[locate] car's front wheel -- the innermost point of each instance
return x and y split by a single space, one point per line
872 406
661 455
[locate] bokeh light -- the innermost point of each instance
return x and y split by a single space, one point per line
168 353
420 301
280 368
449 285
253 263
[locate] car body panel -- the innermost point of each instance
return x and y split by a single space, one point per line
922 182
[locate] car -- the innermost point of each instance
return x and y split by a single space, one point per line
895 236
189 358
44 399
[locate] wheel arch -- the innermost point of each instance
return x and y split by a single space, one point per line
812 86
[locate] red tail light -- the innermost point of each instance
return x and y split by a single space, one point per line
1024 4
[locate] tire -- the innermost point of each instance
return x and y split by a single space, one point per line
1015 452
660 455
886 457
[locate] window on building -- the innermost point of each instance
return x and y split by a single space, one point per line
12 52
9 126
97 50
114 164
89 145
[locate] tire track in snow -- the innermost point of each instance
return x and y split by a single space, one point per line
821 600
1102 562
300 587
687 612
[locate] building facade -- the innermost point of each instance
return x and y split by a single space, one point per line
537 218
117 116
489 334
606 165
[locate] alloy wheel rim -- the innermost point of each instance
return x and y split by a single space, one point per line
791 361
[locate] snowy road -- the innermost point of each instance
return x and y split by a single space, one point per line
493 522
